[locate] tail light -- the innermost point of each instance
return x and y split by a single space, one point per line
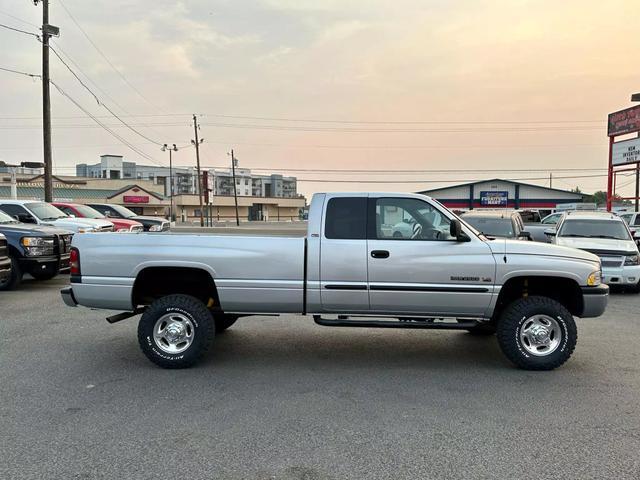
74 261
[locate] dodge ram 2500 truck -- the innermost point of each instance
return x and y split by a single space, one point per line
349 271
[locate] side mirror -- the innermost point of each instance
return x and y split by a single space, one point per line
525 234
550 232
455 230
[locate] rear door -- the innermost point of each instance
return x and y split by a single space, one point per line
426 271
343 255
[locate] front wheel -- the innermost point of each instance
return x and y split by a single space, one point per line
537 333
175 331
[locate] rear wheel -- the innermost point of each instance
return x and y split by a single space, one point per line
175 331
14 279
537 333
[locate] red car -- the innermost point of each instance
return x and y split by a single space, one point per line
83 211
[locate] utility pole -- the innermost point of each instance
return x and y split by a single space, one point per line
197 143
637 186
46 101
550 180
235 189
171 149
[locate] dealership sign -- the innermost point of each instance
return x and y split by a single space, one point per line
624 121
494 199
626 152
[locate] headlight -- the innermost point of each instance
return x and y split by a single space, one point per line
86 230
632 260
155 228
594 279
37 246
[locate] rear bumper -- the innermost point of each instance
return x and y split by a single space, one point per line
595 300
68 298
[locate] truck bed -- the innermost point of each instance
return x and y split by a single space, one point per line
252 273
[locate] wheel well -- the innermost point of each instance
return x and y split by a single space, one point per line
563 290
155 282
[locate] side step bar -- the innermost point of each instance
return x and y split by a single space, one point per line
343 321
124 315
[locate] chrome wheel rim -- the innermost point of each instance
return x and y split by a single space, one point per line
540 335
173 333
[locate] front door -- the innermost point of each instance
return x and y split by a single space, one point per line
415 266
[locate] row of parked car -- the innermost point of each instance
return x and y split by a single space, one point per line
614 238
35 237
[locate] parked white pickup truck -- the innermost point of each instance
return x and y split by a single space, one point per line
347 272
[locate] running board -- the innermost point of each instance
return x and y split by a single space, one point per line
124 315
342 321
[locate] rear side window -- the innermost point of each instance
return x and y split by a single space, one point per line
346 218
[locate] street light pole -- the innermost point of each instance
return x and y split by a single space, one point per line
171 149
235 190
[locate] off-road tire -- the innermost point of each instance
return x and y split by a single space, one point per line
199 316
15 277
514 317
483 330
223 322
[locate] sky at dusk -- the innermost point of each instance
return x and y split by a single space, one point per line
455 85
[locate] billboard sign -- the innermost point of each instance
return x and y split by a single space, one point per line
494 199
626 152
624 121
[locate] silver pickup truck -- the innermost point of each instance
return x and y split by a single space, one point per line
349 271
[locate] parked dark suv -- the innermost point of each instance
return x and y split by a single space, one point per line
150 224
39 250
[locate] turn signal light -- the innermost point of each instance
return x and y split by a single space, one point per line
74 261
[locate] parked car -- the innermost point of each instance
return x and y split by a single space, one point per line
41 213
537 230
497 224
606 235
150 224
188 287
84 211
5 261
38 250
631 218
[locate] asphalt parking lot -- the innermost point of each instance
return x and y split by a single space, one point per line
284 398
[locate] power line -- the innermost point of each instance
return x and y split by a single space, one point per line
106 59
19 19
19 30
324 180
32 75
99 102
105 127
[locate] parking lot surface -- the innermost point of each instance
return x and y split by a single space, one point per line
279 397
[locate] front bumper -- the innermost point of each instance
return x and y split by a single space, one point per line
626 275
59 263
68 298
595 301
5 268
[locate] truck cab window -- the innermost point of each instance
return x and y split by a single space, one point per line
346 218
410 219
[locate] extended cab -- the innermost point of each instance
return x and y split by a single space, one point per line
39 250
349 271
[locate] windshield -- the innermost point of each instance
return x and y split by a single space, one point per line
613 229
88 212
627 218
44 211
4 218
124 211
493 227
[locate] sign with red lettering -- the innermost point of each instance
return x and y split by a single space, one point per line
136 199
624 121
